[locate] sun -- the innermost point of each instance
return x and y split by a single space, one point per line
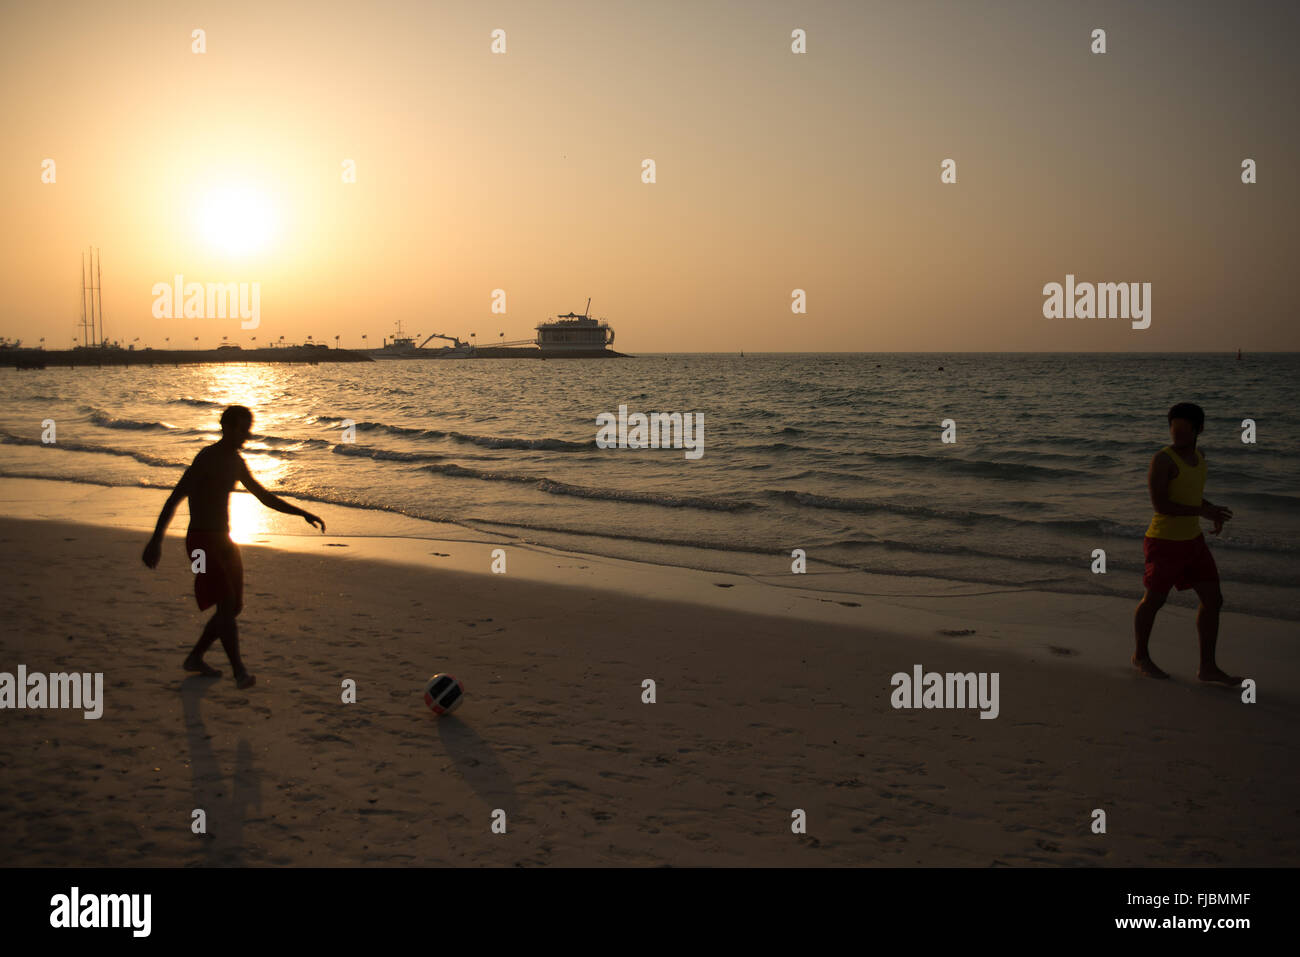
238 220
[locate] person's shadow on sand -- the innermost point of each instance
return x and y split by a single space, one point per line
478 765
223 843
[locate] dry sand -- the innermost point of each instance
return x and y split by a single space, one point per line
757 715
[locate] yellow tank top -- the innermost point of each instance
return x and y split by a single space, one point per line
1184 489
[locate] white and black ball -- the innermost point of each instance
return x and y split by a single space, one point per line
443 693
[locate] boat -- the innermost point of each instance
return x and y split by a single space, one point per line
403 346
572 334
568 336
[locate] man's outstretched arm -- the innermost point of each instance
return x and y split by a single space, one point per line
271 500
153 550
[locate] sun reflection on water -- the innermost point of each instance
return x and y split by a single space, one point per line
260 387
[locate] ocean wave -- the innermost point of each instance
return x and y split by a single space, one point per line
553 487
1093 526
1265 498
281 442
197 403
840 504
143 458
103 482
483 441
386 455
1008 471
382 427
107 421
776 447
506 442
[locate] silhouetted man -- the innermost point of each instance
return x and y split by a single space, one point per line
207 483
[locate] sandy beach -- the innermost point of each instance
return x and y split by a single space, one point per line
771 697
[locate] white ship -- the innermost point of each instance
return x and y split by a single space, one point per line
572 333
569 336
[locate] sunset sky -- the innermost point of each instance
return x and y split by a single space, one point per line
477 171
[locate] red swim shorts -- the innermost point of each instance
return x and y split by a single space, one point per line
1173 564
224 575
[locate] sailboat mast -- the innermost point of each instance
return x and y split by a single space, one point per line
99 283
90 290
85 341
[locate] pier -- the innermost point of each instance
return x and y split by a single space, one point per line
43 358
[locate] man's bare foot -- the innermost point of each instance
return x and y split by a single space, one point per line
1148 667
199 665
244 680
1219 677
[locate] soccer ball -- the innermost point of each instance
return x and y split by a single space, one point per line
443 693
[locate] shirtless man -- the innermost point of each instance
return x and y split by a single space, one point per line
1174 547
207 483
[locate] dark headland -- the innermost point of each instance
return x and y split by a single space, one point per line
42 358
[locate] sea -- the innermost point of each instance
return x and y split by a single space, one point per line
841 456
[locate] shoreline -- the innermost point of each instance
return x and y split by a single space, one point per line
1025 619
